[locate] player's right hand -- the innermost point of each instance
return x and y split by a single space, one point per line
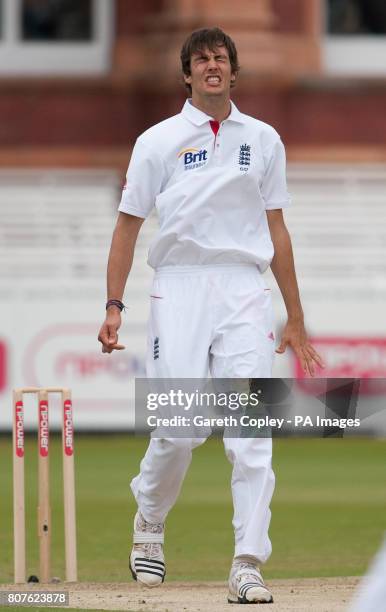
108 333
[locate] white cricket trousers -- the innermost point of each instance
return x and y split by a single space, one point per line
215 319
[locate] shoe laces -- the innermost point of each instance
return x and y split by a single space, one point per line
248 572
151 550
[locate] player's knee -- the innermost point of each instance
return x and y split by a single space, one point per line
184 445
178 445
252 453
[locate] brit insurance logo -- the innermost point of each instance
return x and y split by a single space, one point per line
244 157
193 158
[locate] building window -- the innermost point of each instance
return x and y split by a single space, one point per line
354 42
357 17
57 20
55 37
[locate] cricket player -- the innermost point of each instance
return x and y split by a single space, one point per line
217 178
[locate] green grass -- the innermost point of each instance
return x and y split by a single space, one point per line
327 512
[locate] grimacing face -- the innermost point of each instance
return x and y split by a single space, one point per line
211 72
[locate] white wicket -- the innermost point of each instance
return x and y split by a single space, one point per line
44 511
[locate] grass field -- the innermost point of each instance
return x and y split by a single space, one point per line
327 514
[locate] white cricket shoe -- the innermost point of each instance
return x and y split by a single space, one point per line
147 561
246 585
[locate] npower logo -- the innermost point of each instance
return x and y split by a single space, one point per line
19 427
43 428
68 354
349 357
68 428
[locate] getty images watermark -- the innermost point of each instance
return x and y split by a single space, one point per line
205 403
258 407
187 400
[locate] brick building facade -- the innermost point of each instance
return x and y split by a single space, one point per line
93 119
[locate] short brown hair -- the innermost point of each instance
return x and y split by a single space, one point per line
209 38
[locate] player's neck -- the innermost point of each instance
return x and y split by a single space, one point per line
215 106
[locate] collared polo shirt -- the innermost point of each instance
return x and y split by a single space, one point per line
211 185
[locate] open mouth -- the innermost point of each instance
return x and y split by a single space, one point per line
213 80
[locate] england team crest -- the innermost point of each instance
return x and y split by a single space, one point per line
244 157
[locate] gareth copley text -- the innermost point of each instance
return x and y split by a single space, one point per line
250 421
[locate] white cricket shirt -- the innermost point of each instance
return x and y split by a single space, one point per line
210 190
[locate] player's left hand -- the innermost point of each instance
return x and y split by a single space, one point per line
295 336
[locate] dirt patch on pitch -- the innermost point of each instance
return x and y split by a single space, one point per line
297 595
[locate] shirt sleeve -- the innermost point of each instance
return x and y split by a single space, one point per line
144 179
274 185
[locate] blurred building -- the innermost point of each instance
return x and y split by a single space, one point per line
81 79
